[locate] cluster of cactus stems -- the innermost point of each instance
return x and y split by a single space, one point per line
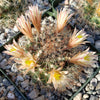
55 54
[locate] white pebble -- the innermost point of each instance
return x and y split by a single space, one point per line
85 96
98 77
78 97
10 96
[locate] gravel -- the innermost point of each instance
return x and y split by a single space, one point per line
6 36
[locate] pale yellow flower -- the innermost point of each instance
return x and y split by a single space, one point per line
84 58
29 62
35 17
15 50
62 18
77 39
98 10
59 79
24 26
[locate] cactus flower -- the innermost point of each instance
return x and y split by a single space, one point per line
59 79
35 17
84 58
98 10
77 39
24 26
62 18
14 50
29 62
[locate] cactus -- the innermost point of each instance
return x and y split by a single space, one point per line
50 50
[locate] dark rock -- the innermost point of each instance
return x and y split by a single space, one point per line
10 96
11 88
6 82
25 83
82 78
40 98
93 98
8 66
2 89
91 40
98 91
20 78
3 63
1 79
97 37
43 91
97 45
1 57
33 94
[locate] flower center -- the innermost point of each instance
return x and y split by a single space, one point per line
79 36
12 49
87 57
29 62
57 75
98 10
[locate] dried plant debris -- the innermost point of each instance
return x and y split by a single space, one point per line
52 51
90 11
9 12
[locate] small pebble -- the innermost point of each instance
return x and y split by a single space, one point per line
25 83
85 96
91 40
78 97
93 97
33 94
40 98
3 63
97 45
87 88
11 96
98 77
98 86
91 87
98 91
82 78
15 29
1 57
6 82
20 78
94 82
1 79
14 68
11 88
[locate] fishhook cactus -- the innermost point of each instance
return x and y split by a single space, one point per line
54 46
